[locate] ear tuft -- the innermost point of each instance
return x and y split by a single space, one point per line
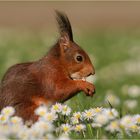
64 24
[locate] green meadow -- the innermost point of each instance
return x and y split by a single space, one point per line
114 54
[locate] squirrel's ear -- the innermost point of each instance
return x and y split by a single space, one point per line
64 42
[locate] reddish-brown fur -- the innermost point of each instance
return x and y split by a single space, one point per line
27 85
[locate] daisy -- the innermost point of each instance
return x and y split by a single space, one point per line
113 126
8 111
66 128
134 128
79 127
16 120
126 121
136 119
66 110
41 110
3 119
112 98
74 120
97 110
88 114
42 127
77 116
56 108
131 104
134 91
50 116
110 113
101 119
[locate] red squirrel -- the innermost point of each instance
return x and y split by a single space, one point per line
56 77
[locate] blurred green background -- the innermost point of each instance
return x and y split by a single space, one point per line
108 31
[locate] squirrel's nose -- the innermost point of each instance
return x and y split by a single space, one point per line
91 70
91 73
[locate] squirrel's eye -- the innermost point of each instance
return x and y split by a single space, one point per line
79 58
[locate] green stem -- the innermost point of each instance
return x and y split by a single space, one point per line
90 130
83 134
97 134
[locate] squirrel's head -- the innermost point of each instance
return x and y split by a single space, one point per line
75 60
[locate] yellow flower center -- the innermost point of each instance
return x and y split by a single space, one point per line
42 113
55 107
7 111
110 113
134 127
138 120
65 129
77 116
78 127
65 109
2 118
97 110
114 124
14 121
89 114
49 117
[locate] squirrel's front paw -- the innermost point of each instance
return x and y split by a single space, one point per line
87 87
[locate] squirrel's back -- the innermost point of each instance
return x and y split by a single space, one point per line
11 81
